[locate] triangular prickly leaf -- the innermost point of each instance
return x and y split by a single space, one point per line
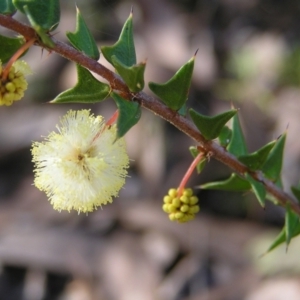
273 165
129 114
233 183
82 39
7 7
225 136
296 192
194 151
237 144
258 189
87 89
45 13
211 127
9 46
123 49
255 160
291 223
281 238
133 76
278 240
174 93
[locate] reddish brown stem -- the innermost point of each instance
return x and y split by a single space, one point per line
20 51
188 173
156 107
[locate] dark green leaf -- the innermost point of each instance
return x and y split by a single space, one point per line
174 93
42 33
9 46
44 13
87 90
233 183
237 145
291 224
129 114
225 136
133 76
194 151
7 7
278 241
123 49
296 192
255 160
258 189
82 39
273 165
211 127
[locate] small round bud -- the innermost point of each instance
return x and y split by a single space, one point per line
167 199
184 199
184 208
176 202
194 200
172 193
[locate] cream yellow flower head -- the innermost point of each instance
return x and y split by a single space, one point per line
82 166
12 87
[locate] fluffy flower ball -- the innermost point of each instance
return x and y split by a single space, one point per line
83 165
12 88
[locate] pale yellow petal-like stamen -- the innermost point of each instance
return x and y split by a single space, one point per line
78 168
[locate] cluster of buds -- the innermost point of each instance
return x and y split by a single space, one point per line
13 84
181 208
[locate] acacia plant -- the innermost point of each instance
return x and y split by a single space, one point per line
84 164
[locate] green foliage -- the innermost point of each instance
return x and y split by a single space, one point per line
233 183
291 224
255 160
273 165
258 189
82 39
194 151
44 13
87 90
225 136
129 114
174 93
237 144
7 7
133 76
211 127
9 46
123 49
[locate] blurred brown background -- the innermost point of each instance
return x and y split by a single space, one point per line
249 55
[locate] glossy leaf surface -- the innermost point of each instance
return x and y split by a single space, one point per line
255 160
233 183
174 92
211 127
273 165
82 39
133 76
9 46
87 90
258 189
123 49
44 13
7 7
129 114
237 144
